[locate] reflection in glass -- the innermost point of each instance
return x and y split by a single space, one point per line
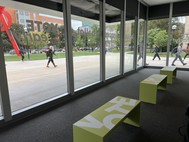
140 43
129 45
86 51
112 42
29 80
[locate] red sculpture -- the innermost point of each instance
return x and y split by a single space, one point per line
6 21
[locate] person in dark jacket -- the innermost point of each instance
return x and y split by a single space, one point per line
22 53
156 50
50 54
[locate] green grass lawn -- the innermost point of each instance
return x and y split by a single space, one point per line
42 56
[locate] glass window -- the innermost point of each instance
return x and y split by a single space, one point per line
22 21
112 41
31 79
86 48
129 45
157 37
180 34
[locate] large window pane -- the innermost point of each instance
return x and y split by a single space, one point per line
157 38
129 45
112 41
86 48
30 81
180 34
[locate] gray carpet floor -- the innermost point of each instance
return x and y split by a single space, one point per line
159 123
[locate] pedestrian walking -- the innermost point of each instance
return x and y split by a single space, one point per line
22 53
178 56
50 54
156 50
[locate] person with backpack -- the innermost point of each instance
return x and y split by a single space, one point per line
177 55
174 50
50 54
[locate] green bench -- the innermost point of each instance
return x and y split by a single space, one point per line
171 73
149 87
96 126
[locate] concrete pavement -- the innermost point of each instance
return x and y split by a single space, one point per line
31 82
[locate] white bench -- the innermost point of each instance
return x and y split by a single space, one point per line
96 126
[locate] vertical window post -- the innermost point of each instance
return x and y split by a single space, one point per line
102 40
4 93
122 38
68 45
169 32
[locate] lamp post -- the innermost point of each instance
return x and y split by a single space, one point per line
26 31
174 27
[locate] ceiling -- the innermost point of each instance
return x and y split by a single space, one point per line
160 2
92 6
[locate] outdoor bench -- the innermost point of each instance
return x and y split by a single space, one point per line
149 87
96 126
171 73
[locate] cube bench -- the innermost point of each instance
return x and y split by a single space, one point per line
171 73
149 87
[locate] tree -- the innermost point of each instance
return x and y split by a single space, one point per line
92 40
118 44
178 33
79 41
37 44
18 32
15 28
93 37
151 35
61 43
162 24
6 43
53 36
161 39
74 37
111 36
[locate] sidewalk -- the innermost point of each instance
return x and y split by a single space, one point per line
162 62
31 82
